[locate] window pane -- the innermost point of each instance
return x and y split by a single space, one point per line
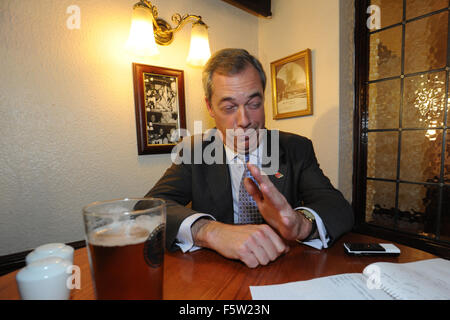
447 159
385 53
391 11
424 101
384 102
415 8
448 102
445 216
421 155
382 155
424 45
417 208
380 203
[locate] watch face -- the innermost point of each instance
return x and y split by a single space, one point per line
309 215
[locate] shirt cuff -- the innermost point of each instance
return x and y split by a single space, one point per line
323 240
184 235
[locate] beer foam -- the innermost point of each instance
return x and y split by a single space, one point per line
118 234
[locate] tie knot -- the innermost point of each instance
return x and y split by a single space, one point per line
247 157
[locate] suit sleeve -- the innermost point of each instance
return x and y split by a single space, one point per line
317 193
176 189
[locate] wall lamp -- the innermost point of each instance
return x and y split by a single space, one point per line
147 30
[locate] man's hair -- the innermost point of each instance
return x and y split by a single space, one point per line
230 62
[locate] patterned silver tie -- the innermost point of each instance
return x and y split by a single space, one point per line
248 210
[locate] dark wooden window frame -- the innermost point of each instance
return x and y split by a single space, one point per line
435 246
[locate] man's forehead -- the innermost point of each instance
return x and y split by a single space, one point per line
246 83
227 73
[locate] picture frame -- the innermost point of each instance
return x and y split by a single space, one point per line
292 86
159 107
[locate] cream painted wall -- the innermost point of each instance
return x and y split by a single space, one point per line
295 26
67 124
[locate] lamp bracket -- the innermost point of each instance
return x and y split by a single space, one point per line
162 29
163 33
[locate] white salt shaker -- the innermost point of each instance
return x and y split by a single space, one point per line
44 279
51 250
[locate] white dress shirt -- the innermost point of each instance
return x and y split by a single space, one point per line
236 165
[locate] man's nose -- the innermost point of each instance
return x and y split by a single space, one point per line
242 118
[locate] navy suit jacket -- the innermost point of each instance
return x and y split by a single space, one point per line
207 187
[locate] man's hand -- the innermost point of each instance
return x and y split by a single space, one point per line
252 244
274 207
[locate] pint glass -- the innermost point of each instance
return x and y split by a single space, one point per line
125 240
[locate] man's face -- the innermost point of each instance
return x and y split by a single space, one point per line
237 106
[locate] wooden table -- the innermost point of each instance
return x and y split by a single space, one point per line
206 275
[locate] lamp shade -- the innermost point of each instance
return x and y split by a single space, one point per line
199 51
141 40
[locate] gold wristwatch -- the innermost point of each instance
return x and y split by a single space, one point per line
309 216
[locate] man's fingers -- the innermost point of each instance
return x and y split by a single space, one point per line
253 190
261 254
267 188
256 173
262 246
275 239
250 260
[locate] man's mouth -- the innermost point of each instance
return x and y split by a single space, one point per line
240 133
243 140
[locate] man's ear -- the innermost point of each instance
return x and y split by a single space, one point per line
209 107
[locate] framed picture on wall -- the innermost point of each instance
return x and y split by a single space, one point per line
160 108
292 86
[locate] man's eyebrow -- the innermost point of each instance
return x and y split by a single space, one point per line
226 99
254 95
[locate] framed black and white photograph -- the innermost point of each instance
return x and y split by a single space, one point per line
160 107
292 86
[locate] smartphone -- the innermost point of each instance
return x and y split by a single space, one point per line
371 249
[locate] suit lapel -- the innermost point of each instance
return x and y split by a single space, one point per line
277 172
279 178
219 186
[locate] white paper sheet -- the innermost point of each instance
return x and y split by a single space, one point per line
349 286
427 279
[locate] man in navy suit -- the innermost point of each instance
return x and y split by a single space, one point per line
294 200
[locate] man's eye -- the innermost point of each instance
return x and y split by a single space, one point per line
229 108
254 105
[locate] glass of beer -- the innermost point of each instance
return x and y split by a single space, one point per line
125 239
